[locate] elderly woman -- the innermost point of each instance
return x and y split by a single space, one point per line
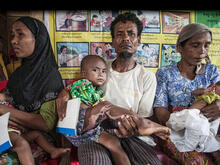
177 82
34 86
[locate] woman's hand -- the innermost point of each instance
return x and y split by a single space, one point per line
212 111
61 103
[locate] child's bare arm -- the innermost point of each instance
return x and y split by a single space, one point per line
201 91
100 112
96 115
115 112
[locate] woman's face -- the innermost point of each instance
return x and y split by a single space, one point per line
196 48
23 41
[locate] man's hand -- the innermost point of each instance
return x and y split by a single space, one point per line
127 126
133 125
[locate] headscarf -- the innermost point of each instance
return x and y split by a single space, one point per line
188 32
191 30
37 80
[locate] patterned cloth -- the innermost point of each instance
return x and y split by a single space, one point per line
84 90
139 153
208 97
91 135
173 90
47 111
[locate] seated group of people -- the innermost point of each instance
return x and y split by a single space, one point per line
127 113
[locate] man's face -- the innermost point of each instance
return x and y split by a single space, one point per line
125 39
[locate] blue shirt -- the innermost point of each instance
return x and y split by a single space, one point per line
175 90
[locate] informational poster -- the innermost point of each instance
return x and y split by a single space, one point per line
76 34
212 20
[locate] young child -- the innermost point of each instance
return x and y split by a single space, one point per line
94 74
205 97
195 138
20 139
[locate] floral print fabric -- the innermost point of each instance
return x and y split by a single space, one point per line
175 90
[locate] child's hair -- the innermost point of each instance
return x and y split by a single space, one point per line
88 58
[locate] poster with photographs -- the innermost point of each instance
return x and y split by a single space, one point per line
70 54
169 55
76 34
148 55
101 20
150 20
71 21
173 22
103 49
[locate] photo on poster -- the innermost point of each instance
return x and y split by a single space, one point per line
70 54
103 49
101 20
173 22
148 55
169 54
211 18
75 21
150 20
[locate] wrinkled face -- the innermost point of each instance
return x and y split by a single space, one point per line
96 72
196 48
125 37
23 41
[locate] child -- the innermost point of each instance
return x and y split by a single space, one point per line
205 97
195 137
20 138
94 74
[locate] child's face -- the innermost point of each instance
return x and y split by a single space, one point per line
96 72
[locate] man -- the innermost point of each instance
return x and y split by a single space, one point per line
130 85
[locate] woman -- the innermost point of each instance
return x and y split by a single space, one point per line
34 86
177 82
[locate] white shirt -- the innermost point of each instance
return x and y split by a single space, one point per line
62 58
135 88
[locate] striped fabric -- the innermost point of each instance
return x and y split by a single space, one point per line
139 153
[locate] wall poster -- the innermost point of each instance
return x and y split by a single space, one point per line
76 34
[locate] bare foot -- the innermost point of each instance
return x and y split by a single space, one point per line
59 152
148 127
